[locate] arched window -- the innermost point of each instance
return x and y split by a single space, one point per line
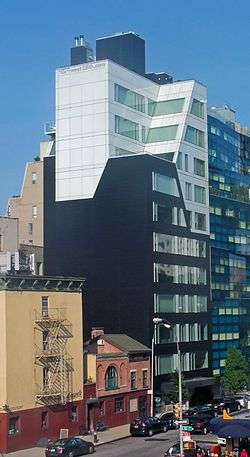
111 379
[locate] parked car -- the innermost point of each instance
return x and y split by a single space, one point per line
229 404
147 426
206 410
69 447
200 424
169 418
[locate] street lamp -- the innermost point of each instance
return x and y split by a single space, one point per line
160 321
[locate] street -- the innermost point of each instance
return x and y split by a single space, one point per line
129 447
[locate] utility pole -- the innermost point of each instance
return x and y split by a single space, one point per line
180 394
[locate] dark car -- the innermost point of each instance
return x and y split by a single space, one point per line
69 447
206 410
229 404
170 419
200 424
147 426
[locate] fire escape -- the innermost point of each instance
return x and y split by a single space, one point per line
53 358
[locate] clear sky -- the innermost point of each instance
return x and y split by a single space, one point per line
205 40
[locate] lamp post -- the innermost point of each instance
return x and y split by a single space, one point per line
160 321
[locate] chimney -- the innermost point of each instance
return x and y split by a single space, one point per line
97 331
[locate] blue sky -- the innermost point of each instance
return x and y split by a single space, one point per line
208 41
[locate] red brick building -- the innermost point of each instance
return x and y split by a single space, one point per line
117 369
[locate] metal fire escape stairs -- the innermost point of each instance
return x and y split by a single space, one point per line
54 359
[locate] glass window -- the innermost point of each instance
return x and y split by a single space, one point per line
34 211
133 380
166 364
165 303
44 420
73 413
200 194
111 378
45 307
144 379
126 128
165 184
166 133
200 221
179 161
13 425
188 191
197 108
199 167
195 136
129 98
186 162
33 178
165 107
119 405
30 228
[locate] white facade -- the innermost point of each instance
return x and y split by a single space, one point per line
87 120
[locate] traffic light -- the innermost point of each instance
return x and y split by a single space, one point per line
176 410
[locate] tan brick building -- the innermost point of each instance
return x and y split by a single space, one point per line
41 369
28 206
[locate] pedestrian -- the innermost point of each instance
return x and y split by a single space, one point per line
244 453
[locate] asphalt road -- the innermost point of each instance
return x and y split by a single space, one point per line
143 447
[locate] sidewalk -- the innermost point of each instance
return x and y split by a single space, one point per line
112 434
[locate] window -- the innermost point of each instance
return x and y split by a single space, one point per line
119 405
186 162
45 340
165 107
195 136
34 211
200 194
14 425
126 128
179 161
129 98
179 274
73 413
166 133
132 380
200 221
165 184
144 379
45 307
111 379
165 303
30 228
172 244
44 420
188 191
143 134
197 108
199 167
33 178
45 376
166 364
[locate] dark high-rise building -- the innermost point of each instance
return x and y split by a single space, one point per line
118 213
126 49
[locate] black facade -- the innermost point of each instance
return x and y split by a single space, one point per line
110 240
126 49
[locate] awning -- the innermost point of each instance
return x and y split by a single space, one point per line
92 401
235 428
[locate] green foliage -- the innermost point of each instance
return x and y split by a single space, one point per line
172 394
235 377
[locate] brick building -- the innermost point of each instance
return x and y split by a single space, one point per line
117 379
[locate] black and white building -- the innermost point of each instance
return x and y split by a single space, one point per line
126 205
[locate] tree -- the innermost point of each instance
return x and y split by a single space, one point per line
172 395
235 377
